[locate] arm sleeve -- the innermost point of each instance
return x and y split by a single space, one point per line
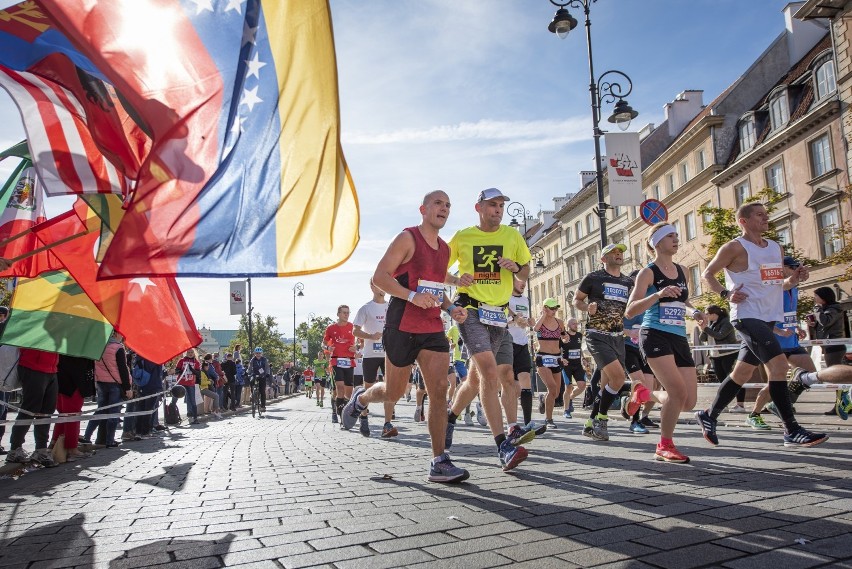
124 374
828 317
723 332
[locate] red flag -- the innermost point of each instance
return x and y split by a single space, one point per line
23 211
149 312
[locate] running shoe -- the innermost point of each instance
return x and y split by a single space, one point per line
587 428
19 455
638 396
756 422
649 423
541 403
480 415
624 402
599 428
539 428
511 456
842 404
448 436
418 414
389 431
44 458
468 419
443 470
708 427
795 385
408 397
518 435
772 409
738 409
322 402
670 454
334 418
804 438
638 428
365 427
352 410
571 406
567 414
550 424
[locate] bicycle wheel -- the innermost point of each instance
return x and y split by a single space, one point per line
253 399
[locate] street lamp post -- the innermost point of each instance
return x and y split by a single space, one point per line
606 89
297 291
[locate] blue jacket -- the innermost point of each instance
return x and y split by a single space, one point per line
258 364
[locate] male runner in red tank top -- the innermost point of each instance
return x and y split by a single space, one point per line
413 272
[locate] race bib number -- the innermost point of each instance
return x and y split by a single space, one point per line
791 320
378 347
673 313
615 291
574 354
431 287
344 363
492 315
549 361
771 274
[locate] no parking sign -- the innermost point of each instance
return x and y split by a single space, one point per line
653 211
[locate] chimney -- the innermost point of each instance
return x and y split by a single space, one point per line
802 35
683 109
586 177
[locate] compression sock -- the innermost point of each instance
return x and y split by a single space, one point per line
526 405
727 392
781 397
451 417
607 397
596 406
499 439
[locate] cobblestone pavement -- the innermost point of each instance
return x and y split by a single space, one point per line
293 490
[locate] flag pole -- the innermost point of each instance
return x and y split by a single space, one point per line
50 245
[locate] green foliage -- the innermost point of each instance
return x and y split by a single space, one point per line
844 255
265 334
721 225
312 331
5 293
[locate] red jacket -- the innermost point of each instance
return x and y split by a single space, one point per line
36 360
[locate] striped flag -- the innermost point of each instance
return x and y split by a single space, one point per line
66 156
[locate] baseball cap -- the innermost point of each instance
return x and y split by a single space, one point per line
791 262
612 247
551 303
491 194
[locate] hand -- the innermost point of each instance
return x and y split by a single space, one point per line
784 332
737 295
699 317
466 279
128 394
803 273
522 322
459 314
702 324
425 300
509 264
802 334
353 349
670 291
377 336
592 308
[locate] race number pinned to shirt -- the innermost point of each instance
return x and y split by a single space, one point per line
492 315
772 274
549 361
378 347
615 291
791 320
574 354
673 313
343 363
431 287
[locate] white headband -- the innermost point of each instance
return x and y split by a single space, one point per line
660 233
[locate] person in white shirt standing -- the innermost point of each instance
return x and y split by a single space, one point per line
754 285
369 325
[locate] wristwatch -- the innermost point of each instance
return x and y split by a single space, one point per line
725 292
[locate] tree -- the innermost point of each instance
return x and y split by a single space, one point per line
313 331
721 225
264 332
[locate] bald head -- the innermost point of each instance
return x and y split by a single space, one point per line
437 194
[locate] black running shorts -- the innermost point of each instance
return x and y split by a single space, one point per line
633 360
656 343
371 368
572 374
346 375
402 348
556 369
760 344
521 359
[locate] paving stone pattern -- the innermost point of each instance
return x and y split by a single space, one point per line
293 490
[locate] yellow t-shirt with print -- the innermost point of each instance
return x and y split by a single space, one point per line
453 337
477 253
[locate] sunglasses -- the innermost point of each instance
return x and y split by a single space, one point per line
553 307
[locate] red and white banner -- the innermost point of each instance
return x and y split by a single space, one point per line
624 168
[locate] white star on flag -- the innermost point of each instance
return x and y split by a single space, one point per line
254 65
143 283
235 5
250 98
237 127
202 5
248 35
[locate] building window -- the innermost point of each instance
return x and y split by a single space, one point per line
691 229
550 288
785 237
825 81
700 160
558 284
684 173
821 156
747 138
775 178
616 211
742 192
578 230
567 236
828 222
637 255
581 265
694 280
571 274
655 191
670 184
590 222
707 217
779 110
676 225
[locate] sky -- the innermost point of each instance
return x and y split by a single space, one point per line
462 96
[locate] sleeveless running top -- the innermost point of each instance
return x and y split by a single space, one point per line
762 281
667 314
545 333
426 264
791 320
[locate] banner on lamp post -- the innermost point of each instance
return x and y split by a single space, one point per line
304 344
238 297
624 168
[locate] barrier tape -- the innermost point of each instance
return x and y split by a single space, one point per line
832 386
90 415
803 343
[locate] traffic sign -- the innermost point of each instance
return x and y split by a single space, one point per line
653 211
